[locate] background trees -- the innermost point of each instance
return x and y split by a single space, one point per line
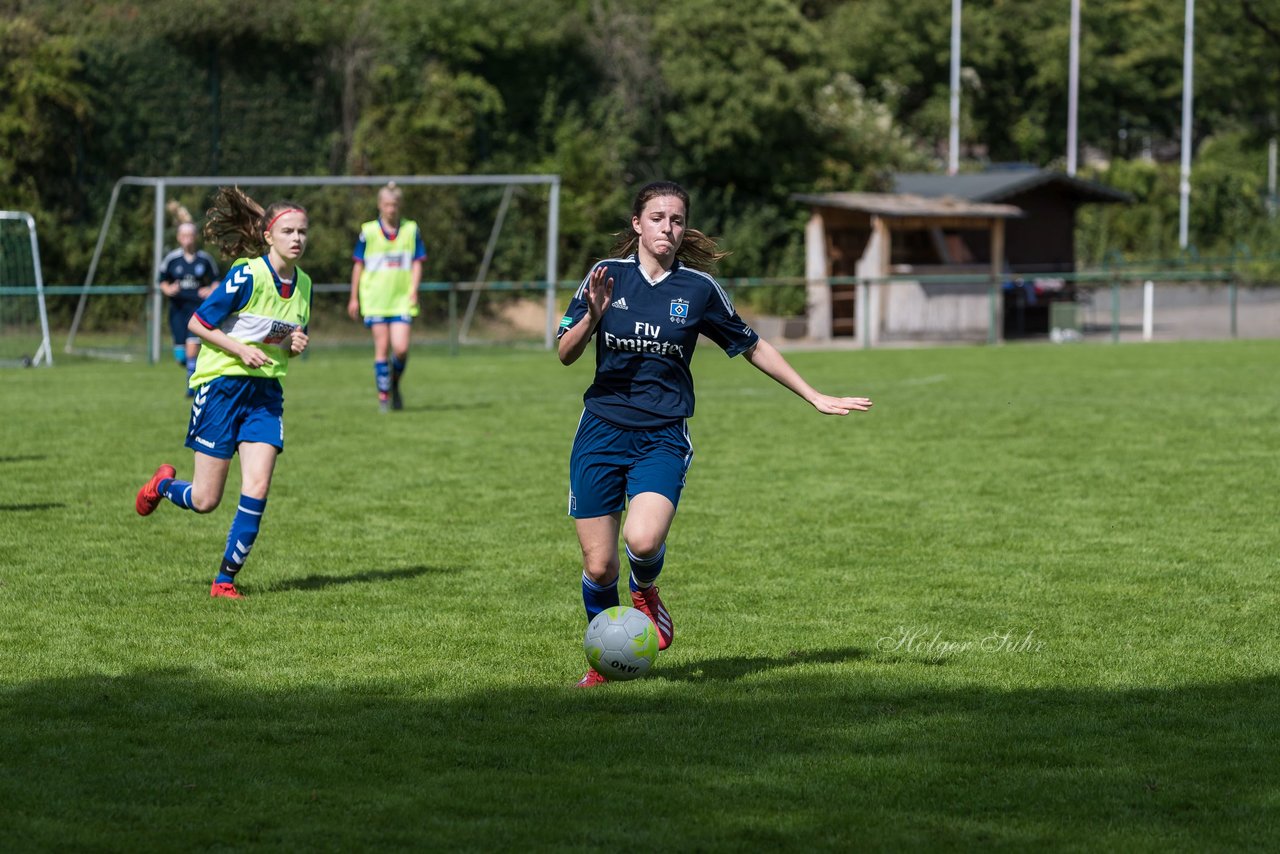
744 101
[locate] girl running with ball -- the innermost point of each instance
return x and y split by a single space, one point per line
646 307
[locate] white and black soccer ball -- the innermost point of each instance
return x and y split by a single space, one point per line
621 643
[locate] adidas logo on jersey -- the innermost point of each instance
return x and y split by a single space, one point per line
621 304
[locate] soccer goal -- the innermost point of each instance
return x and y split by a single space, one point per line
24 319
336 217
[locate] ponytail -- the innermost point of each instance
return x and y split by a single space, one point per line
237 224
697 250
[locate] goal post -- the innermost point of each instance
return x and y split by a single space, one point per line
161 185
24 317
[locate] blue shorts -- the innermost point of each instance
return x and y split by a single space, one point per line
396 318
231 410
611 464
179 317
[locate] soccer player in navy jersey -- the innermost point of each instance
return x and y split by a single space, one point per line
252 325
187 276
645 307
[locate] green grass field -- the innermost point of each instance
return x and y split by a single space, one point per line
1029 601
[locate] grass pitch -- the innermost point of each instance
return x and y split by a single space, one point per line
1028 601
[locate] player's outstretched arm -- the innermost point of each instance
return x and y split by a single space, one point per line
599 296
772 363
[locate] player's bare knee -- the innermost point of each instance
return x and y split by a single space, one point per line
644 544
205 503
601 570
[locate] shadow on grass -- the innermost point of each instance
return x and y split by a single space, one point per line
733 667
844 757
30 508
447 407
23 458
316 581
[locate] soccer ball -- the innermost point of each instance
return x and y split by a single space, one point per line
621 643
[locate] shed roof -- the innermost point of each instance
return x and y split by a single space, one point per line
1002 184
909 205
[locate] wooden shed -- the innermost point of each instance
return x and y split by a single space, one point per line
1014 224
873 235
1041 241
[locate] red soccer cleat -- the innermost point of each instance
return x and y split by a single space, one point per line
590 679
650 603
225 590
149 496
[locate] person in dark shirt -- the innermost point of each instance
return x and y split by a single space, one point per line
645 307
187 276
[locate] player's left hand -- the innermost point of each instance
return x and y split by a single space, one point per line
298 342
828 405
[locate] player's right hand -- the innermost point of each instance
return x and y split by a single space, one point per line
255 358
599 292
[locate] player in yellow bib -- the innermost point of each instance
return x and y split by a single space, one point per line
252 325
385 274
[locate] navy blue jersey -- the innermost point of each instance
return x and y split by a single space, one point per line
192 275
645 341
233 293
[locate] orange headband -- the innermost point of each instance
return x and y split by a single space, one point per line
282 213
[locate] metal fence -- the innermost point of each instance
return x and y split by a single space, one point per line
1116 305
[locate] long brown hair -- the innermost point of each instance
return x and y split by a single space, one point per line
238 225
697 250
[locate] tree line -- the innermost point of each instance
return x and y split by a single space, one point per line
743 101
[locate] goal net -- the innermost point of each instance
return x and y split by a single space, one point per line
24 320
490 274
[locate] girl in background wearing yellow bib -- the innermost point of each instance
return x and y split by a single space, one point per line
385 274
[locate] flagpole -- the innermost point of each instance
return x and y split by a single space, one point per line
1184 184
1073 87
953 147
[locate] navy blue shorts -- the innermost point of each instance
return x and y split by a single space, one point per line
179 317
230 410
610 465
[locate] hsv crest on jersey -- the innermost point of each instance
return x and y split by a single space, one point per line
679 311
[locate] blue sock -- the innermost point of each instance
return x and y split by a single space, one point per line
180 353
397 367
597 597
382 374
177 491
244 530
644 571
